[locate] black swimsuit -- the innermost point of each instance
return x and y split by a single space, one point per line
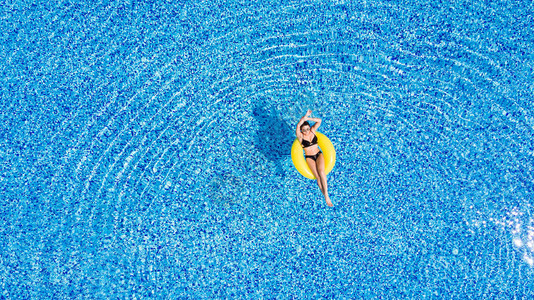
307 144
314 157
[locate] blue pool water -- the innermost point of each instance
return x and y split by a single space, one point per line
145 149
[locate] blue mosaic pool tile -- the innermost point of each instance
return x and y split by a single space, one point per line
145 150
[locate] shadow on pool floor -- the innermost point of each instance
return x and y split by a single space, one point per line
274 137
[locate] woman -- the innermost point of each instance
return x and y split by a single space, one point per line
314 156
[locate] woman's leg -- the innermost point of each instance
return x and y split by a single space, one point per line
322 178
312 164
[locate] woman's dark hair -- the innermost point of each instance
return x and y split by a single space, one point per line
304 124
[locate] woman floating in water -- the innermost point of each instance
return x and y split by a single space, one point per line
314 156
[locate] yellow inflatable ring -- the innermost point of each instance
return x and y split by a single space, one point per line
300 162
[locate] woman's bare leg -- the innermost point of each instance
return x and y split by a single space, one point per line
322 179
313 167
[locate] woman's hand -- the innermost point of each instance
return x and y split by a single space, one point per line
305 118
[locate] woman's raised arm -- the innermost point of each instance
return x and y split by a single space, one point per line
302 120
317 123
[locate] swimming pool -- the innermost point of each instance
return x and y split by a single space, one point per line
145 150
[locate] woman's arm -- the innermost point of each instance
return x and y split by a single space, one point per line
316 125
302 120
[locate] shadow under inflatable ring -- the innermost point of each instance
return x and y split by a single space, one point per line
299 161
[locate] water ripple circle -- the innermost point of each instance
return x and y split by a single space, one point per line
172 121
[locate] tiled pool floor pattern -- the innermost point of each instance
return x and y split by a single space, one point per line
145 150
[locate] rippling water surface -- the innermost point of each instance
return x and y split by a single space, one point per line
145 149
